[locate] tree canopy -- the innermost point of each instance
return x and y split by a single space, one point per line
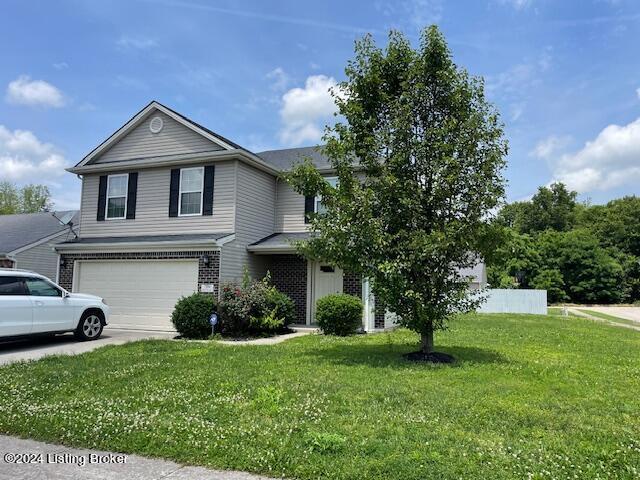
28 199
578 252
419 159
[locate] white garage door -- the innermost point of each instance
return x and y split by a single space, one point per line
140 293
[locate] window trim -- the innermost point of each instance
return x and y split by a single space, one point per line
126 197
180 192
318 198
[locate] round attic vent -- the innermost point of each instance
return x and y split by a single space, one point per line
156 125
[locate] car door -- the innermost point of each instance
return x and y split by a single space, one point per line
16 310
52 311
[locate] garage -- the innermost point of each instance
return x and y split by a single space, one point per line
140 293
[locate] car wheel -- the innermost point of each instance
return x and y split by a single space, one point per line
90 327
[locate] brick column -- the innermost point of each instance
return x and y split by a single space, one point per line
289 275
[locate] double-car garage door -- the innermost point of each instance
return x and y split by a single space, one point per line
140 293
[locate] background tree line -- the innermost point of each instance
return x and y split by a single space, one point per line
28 199
578 252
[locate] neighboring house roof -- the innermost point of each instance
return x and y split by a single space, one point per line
284 159
21 230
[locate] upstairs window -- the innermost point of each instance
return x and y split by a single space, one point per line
117 196
191 188
319 207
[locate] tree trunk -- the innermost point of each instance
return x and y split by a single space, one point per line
426 340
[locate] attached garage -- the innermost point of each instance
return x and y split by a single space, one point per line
140 293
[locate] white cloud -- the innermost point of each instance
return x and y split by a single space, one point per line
550 146
411 13
517 4
305 110
611 160
279 79
638 92
137 42
24 91
24 157
61 65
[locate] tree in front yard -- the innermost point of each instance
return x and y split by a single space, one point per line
418 158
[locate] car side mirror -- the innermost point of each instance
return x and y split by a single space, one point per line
65 294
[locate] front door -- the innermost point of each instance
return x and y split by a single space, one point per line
327 280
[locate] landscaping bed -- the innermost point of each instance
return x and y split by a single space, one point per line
528 396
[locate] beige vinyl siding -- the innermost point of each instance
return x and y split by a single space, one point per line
289 209
152 207
173 139
255 219
41 258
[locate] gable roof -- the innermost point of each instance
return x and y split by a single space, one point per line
284 159
139 117
273 161
18 231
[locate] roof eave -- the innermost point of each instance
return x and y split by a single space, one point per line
143 246
181 159
271 249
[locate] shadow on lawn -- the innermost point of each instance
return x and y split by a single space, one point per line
391 355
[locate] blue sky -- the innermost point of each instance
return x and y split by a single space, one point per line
564 74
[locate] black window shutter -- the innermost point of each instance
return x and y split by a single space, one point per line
207 195
102 198
132 194
174 191
309 205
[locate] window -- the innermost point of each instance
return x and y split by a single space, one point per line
117 196
191 187
11 286
318 207
41 288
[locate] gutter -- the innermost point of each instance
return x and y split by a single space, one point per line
181 159
142 246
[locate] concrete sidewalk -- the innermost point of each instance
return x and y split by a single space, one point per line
54 462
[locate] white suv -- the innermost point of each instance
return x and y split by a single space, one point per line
31 304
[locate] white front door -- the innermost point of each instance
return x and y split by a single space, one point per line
327 279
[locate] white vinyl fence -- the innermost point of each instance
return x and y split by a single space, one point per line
514 301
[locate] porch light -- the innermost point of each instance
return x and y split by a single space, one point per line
205 260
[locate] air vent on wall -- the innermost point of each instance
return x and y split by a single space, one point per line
156 125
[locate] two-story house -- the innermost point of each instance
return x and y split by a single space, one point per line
169 207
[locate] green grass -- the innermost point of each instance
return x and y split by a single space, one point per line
611 318
554 310
530 397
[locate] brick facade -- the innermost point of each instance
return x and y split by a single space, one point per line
289 275
352 284
206 274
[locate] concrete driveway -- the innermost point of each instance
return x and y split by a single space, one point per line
38 347
628 313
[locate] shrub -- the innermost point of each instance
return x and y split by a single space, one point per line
191 315
254 307
339 314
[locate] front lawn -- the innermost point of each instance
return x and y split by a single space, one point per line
531 397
